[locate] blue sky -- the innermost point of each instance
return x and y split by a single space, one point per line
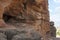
54 8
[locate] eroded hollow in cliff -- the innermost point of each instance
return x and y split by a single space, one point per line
7 17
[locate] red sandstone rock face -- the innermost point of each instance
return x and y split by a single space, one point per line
5 3
35 13
19 8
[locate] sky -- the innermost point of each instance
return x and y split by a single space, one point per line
54 11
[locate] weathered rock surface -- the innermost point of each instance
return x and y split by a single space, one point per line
30 16
3 37
34 12
26 36
15 34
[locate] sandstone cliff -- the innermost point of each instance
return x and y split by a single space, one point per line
29 15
